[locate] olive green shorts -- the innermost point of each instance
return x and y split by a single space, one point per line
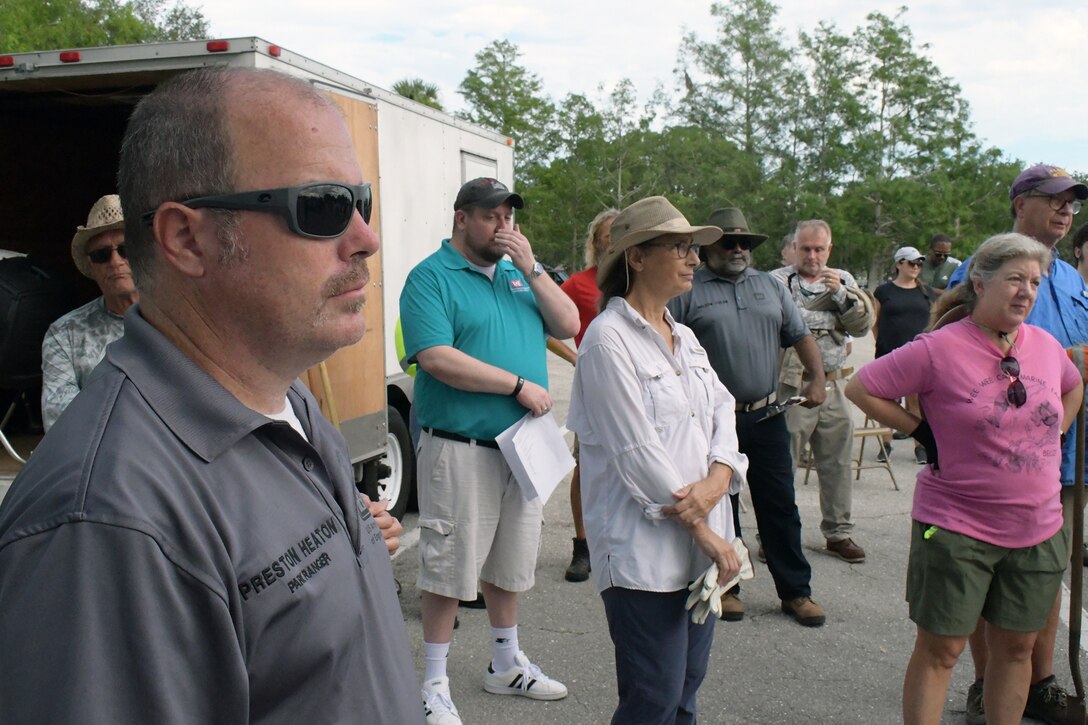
953 579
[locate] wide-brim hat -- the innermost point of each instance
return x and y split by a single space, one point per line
735 227
648 219
105 215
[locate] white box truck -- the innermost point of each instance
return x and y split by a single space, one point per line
62 116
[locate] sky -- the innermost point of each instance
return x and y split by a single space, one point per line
1017 68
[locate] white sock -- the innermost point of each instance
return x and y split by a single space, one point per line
434 660
504 647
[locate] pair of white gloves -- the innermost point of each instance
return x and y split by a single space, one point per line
706 594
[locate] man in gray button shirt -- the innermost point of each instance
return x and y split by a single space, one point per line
744 318
186 545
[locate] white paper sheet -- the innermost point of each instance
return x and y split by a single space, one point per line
537 454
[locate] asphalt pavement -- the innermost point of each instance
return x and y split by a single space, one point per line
765 669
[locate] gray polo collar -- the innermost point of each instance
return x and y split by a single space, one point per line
199 411
706 274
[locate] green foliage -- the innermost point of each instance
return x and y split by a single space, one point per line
418 90
506 97
733 85
861 129
857 127
27 25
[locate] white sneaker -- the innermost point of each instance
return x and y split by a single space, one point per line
524 679
437 704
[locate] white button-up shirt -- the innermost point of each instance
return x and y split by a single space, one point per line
649 422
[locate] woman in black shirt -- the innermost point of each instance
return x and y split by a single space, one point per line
902 311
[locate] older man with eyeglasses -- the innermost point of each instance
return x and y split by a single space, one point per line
75 343
1043 200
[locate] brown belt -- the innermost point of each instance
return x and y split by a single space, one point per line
833 375
757 405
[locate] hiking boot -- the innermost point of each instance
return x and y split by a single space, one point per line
1047 702
579 568
847 550
920 456
437 705
807 612
884 452
524 679
732 608
975 714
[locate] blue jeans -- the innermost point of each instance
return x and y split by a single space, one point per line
770 482
661 655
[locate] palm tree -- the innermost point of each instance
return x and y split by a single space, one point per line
418 90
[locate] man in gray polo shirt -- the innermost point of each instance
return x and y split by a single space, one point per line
186 544
744 318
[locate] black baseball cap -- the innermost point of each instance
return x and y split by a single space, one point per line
486 193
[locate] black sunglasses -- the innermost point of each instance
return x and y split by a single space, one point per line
319 210
1016 394
729 244
102 255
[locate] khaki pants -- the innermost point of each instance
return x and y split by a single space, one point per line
830 431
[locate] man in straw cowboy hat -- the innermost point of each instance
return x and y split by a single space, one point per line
76 343
833 307
744 318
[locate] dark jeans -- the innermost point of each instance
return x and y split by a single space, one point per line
770 482
661 655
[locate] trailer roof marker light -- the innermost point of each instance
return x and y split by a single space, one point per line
69 56
217 46
274 51
7 61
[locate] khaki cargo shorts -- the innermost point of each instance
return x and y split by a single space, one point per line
474 522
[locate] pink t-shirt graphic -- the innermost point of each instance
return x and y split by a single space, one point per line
999 464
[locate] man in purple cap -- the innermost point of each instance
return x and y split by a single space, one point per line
476 323
1044 199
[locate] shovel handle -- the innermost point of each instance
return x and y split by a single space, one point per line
1076 576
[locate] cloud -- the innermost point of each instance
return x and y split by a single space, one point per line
1016 66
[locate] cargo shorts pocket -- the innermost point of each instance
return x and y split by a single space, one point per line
437 549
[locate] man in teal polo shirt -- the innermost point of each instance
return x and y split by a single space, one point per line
476 324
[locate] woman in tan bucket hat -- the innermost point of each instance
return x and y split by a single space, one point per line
659 455
76 343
